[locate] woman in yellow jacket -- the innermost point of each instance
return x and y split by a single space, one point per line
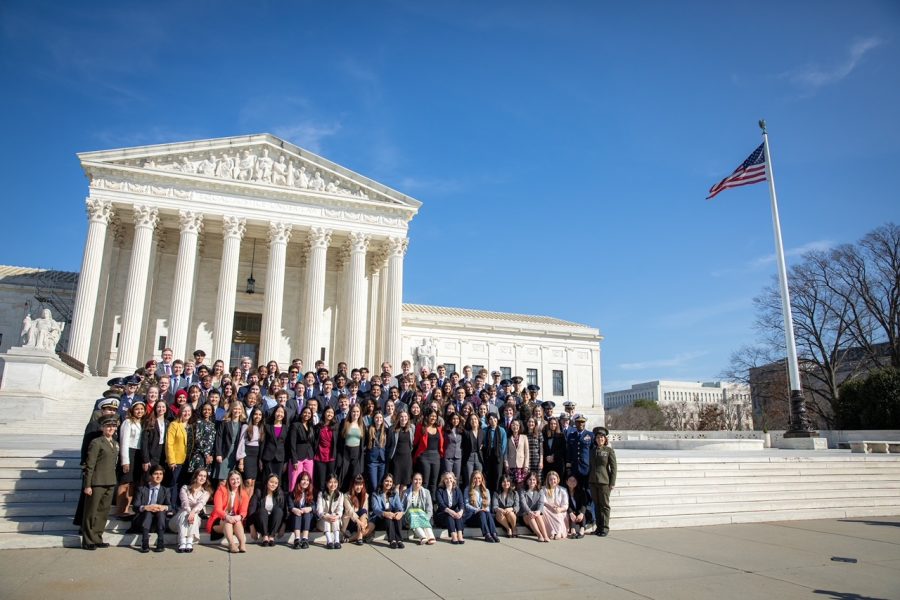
179 443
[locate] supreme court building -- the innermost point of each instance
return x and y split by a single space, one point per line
253 246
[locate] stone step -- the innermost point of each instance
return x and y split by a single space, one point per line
676 498
807 463
9 485
622 523
34 496
770 488
54 473
39 463
738 506
6 453
783 471
703 481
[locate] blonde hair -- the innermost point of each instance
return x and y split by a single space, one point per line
485 495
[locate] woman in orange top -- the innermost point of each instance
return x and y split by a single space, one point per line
230 507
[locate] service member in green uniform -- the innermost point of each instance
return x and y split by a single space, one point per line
99 484
602 477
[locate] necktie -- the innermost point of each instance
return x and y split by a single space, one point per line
152 495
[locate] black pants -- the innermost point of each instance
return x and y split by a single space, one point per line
430 466
148 521
267 523
394 530
321 471
449 523
493 472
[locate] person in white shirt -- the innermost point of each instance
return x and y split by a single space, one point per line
193 499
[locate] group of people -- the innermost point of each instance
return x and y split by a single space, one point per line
278 451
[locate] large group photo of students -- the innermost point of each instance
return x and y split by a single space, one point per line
267 455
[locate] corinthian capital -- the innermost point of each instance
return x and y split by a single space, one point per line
191 222
279 233
358 242
319 237
396 246
145 217
233 227
98 211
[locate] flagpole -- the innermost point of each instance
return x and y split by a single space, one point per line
799 425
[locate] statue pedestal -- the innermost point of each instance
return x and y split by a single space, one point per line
28 379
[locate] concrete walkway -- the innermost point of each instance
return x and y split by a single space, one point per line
767 560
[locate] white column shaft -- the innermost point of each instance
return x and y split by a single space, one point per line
313 295
355 303
225 297
270 336
394 302
145 220
383 281
99 213
183 285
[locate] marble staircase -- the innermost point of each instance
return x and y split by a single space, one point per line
39 491
66 415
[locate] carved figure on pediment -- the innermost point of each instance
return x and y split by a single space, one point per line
361 193
223 167
317 183
42 333
290 173
264 167
334 186
246 166
303 178
149 164
280 171
186 166
207 166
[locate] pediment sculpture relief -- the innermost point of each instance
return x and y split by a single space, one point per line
259 166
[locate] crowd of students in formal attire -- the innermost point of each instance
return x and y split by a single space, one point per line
282 451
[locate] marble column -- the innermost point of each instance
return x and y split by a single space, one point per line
183 284
270 336
99 213
394 301
383 281
313 294
233 229
355 302
145 220
374 315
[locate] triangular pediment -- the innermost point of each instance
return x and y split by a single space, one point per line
261 160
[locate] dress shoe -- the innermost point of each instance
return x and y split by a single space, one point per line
159 548
144 549
603 533
103 545
88 546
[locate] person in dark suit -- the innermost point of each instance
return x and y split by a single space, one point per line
130 396
150 505
273 452
493 452
178 381
99 484
153 437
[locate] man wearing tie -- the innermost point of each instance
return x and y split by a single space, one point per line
178 380
364 384
441 375
150 506
165 367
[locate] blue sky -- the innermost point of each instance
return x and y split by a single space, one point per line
562 150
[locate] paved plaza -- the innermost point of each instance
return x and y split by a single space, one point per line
850 559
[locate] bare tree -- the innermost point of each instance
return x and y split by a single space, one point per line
868 276
711 418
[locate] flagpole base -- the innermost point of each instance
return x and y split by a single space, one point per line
800 426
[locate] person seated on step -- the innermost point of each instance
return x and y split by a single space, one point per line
150 506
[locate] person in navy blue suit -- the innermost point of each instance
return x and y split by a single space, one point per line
150 506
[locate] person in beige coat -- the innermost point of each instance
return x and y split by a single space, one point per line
517 456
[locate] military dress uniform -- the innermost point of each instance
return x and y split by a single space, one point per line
602 480
100 476
578 455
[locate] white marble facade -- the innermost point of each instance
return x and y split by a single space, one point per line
175 230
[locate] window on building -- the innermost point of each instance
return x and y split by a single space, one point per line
476 369
531 377
161 345
558 388
451 368
505 373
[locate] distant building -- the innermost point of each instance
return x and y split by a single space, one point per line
685 399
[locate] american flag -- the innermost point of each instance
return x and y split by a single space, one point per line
752 170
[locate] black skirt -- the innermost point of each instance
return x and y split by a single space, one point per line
251 462
135 470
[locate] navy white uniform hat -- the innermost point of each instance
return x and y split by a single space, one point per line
108 403
579 417
569 404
